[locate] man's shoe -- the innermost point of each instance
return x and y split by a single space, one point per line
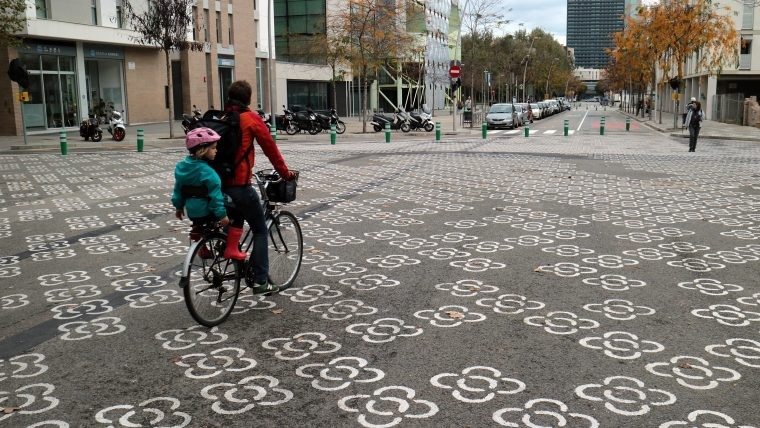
265 288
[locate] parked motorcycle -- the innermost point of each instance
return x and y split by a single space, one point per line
116 126
282 122
188 121
306 120
325 121
419 121
90 129
396 122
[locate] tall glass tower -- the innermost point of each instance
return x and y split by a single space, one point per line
590 25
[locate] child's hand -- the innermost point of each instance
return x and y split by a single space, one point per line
178 214
224 221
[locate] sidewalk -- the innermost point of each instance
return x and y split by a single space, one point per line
710 129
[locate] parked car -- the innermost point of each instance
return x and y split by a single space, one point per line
545 110
501 115
527 113
521 115
536 109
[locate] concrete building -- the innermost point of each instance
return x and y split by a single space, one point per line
590 25
82 58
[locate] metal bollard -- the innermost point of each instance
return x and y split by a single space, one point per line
527 131
601 126
273 132
567 126
387 132
140 139
333 134
627 123
484 130
438 131
64 143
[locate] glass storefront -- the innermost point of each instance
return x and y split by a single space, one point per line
52 85
104 74
226 69
307 93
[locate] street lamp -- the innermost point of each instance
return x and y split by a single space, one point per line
546 92
525 71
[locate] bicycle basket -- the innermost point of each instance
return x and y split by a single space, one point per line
282 192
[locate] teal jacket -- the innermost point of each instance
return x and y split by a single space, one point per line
194 172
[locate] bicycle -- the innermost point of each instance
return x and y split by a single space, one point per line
211 283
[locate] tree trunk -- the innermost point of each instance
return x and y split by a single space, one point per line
171 94
364 101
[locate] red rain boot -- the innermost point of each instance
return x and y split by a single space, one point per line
204 252
233 239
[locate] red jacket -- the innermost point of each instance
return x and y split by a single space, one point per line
252 127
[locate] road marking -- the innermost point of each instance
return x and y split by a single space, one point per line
533 131
514 131
570 131
550 131
581 124
495 132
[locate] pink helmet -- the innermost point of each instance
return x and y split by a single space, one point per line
200 137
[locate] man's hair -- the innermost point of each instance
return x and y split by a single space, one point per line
240 91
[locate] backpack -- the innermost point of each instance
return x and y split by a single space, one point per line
227 125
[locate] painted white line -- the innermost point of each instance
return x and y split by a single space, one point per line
581 124
550 131
570 131
494 132
511 132
534 131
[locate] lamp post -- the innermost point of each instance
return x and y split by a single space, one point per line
551 64
525 70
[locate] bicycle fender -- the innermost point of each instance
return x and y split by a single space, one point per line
185 278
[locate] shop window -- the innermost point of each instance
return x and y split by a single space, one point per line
49 63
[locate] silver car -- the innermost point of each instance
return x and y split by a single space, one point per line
501 115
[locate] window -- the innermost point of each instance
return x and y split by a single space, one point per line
41 8
229 29
194 22
119 14
206 35
218 27
94 9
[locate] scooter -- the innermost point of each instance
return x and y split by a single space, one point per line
188 121
282 122
306 121
396 122
116 126
90 129
326 121
419 121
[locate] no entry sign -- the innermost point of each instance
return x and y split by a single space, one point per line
455 71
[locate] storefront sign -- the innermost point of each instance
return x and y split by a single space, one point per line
47 49
225 62
103 51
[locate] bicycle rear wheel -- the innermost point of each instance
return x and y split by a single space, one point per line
285 249
214 283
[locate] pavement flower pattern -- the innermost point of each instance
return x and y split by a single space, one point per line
614 282
625 395
179 340
399 403
29 399
384 330
705 419
693 372
449 316
216 362
561 322
369 282
621 345
101 326
710 287
744 351
619 309
478 264
311 293
158 411
466 288
342 309
728 315
392 261
510 304
339 373
567 269
540 412
477 384
301 346
247 393
22 366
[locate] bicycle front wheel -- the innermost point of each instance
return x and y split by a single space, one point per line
214 283
285 249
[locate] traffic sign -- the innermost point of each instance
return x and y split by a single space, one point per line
455 71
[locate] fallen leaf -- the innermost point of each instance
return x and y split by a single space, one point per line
538 269
150 269
685 365
9 410
474 288
276 311
454 314
175 359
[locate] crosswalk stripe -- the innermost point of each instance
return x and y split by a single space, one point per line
495 132
533 131
570 131
550 131
514 131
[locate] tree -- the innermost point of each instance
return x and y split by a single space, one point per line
479 19
374 34
164 25
11 21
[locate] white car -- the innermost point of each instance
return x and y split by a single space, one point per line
536 109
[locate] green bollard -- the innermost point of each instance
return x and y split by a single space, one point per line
140 140
64 143
273 132
527 131
601 126
627 123
333 134
567 126
484 130
438 131
387 132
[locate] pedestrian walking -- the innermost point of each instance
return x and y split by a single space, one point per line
468 104
694 117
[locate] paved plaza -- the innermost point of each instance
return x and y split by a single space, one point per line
580 281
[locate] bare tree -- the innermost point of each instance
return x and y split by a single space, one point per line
479 19
11 21
164 24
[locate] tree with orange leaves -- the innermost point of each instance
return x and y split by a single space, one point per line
669 33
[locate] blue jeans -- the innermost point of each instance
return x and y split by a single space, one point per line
248 205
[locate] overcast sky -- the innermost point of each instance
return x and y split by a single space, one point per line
549 15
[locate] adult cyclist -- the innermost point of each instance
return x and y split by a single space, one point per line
239 187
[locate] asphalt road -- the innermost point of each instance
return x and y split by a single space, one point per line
577 281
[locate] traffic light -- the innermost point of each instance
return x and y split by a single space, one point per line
675 83
456 84
17 72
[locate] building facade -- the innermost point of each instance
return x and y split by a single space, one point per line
83 64
590 25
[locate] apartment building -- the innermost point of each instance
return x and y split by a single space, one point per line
82 58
